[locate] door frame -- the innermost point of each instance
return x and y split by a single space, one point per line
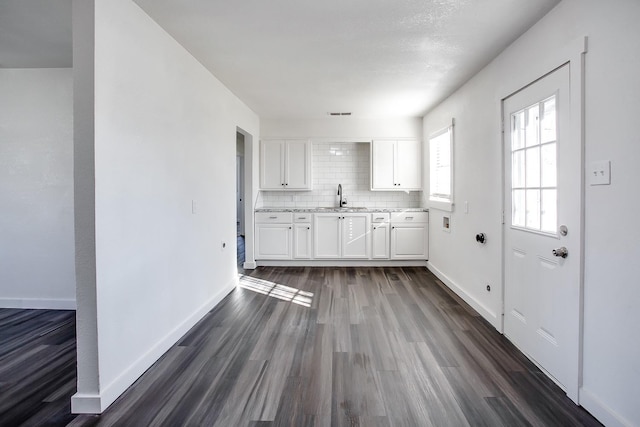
572 54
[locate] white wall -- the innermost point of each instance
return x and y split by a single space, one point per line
165 137
611 373
36 189
349 128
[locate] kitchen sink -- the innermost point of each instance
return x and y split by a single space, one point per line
344 208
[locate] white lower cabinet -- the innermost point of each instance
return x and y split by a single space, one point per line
273 235
341 235
302 236
380 236
409 235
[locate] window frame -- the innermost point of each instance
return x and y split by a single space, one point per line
436 200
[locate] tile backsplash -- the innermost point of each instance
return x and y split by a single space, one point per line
345 163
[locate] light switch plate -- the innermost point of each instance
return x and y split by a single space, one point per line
599 173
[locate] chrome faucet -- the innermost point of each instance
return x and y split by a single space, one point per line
342 202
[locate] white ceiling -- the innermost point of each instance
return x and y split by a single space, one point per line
302 59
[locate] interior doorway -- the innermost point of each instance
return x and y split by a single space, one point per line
240 199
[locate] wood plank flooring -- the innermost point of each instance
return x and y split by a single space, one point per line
301 347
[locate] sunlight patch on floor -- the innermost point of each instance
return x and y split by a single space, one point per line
276 290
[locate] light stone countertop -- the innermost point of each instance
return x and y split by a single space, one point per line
345 209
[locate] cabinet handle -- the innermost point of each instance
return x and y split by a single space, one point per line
282 184
308 228
273 217
409 218
375 228
380 217
289 228
287 183
393 228
302 217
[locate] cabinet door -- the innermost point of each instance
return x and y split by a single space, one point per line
298 165
408 168
380 241
326 236
273 241
302 241
409 241
272 165
382 159
355 235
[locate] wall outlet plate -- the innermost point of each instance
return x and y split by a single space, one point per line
599 173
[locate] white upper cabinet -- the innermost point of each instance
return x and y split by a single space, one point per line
285 165
396 165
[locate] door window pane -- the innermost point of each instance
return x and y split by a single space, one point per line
548 122
517 169
517 130
534 168
548 165
533 209
519 208
531 137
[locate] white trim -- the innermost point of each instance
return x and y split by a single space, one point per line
249 265
484 311
87 403
38 303
601 411
342 263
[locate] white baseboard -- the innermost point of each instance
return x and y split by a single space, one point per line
250 265
485 312
601 411
38 303
341 263
85 403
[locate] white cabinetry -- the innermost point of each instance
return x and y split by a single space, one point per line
341 235
302 236
409 235
396 165
273 235
380 236
285 165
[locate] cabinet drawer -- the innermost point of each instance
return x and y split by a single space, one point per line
380 217
407 217
274 217
302 217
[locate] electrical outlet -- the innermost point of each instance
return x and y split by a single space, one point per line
599 173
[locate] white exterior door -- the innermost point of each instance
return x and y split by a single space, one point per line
543 187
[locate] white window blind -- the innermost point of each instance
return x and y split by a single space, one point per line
441 169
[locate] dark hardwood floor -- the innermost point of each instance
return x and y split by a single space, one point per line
301 347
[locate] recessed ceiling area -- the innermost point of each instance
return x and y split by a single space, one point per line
284 59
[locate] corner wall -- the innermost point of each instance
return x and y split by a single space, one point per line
36 189
165 134
611 376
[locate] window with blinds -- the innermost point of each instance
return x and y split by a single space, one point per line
441 169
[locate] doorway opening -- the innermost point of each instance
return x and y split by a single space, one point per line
240 199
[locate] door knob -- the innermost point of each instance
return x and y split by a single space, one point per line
560 252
